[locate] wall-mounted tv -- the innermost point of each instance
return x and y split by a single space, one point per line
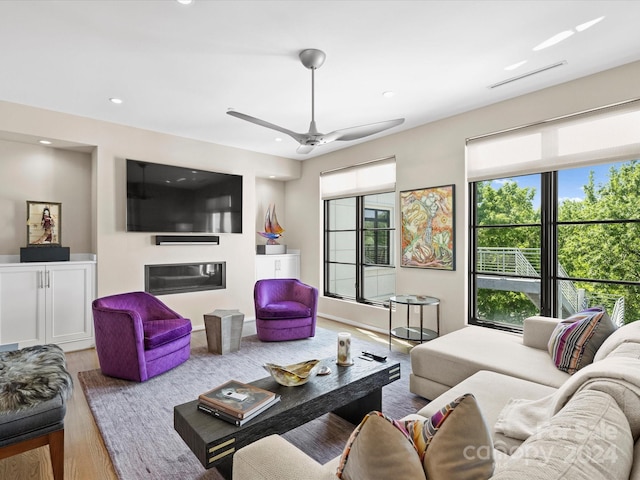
167 198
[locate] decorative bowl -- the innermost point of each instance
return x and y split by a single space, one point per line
293 375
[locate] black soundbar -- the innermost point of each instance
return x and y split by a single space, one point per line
187 240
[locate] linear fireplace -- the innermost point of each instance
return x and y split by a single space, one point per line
184 277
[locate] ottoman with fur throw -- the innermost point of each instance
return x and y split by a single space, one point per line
34 388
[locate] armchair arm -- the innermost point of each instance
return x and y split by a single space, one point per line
119 339
537 331
273 458
306 294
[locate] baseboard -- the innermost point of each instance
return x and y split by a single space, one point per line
351 323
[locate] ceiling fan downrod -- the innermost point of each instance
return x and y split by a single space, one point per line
312 59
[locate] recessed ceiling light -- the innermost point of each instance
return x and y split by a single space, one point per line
117 101
583 26
515 65
388 94
278 139
553 40
45 142
185 2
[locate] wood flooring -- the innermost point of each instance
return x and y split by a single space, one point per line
86 457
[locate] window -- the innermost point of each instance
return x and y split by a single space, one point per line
377 238
359 219
555 243
359 248
555 217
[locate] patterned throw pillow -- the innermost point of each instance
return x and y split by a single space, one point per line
380 448
455 443
575 340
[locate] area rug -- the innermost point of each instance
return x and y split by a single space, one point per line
136 419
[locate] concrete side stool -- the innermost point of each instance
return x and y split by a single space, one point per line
224 330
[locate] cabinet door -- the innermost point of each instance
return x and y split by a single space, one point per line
287 266
264 267
69 294
22 305
277 266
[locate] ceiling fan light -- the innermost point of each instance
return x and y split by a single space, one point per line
559 37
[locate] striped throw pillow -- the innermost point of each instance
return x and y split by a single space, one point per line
575 340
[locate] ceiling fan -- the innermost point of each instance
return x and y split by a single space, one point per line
313 59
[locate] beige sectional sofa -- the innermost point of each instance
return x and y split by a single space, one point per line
544 424
438 365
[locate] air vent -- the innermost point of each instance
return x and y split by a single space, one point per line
528 74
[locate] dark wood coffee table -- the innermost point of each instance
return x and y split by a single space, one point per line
351 392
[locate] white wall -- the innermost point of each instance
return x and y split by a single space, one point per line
121 255
41 174
433 155
429 155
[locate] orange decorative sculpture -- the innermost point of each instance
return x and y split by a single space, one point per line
272 229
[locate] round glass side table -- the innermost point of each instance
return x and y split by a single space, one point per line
410 333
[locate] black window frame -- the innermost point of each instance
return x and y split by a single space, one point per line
549 274
360 258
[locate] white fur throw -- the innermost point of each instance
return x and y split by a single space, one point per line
32 375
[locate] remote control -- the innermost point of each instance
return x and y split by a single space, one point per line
378 358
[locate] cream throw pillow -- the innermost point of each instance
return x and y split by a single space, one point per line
455 443
379 449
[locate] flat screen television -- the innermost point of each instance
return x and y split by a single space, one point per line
167 198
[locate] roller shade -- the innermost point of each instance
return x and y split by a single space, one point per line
608 134
362 179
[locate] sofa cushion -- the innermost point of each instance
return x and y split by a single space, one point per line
629 333
454 442
588 439
635 469
159 332
492 392
453 357
284 309
380 448
575 340
45 417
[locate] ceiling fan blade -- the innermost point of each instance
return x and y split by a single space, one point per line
305 148
299 137
354 133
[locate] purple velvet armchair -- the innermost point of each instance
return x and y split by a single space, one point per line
285 309
138 336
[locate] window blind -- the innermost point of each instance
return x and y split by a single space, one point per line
362 179
608 134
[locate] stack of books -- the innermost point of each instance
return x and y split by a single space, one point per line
236 402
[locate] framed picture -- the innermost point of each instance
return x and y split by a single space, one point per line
44 223
428 233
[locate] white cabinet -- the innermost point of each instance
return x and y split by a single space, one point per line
278 266
47 303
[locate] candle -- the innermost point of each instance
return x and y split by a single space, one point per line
344 349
